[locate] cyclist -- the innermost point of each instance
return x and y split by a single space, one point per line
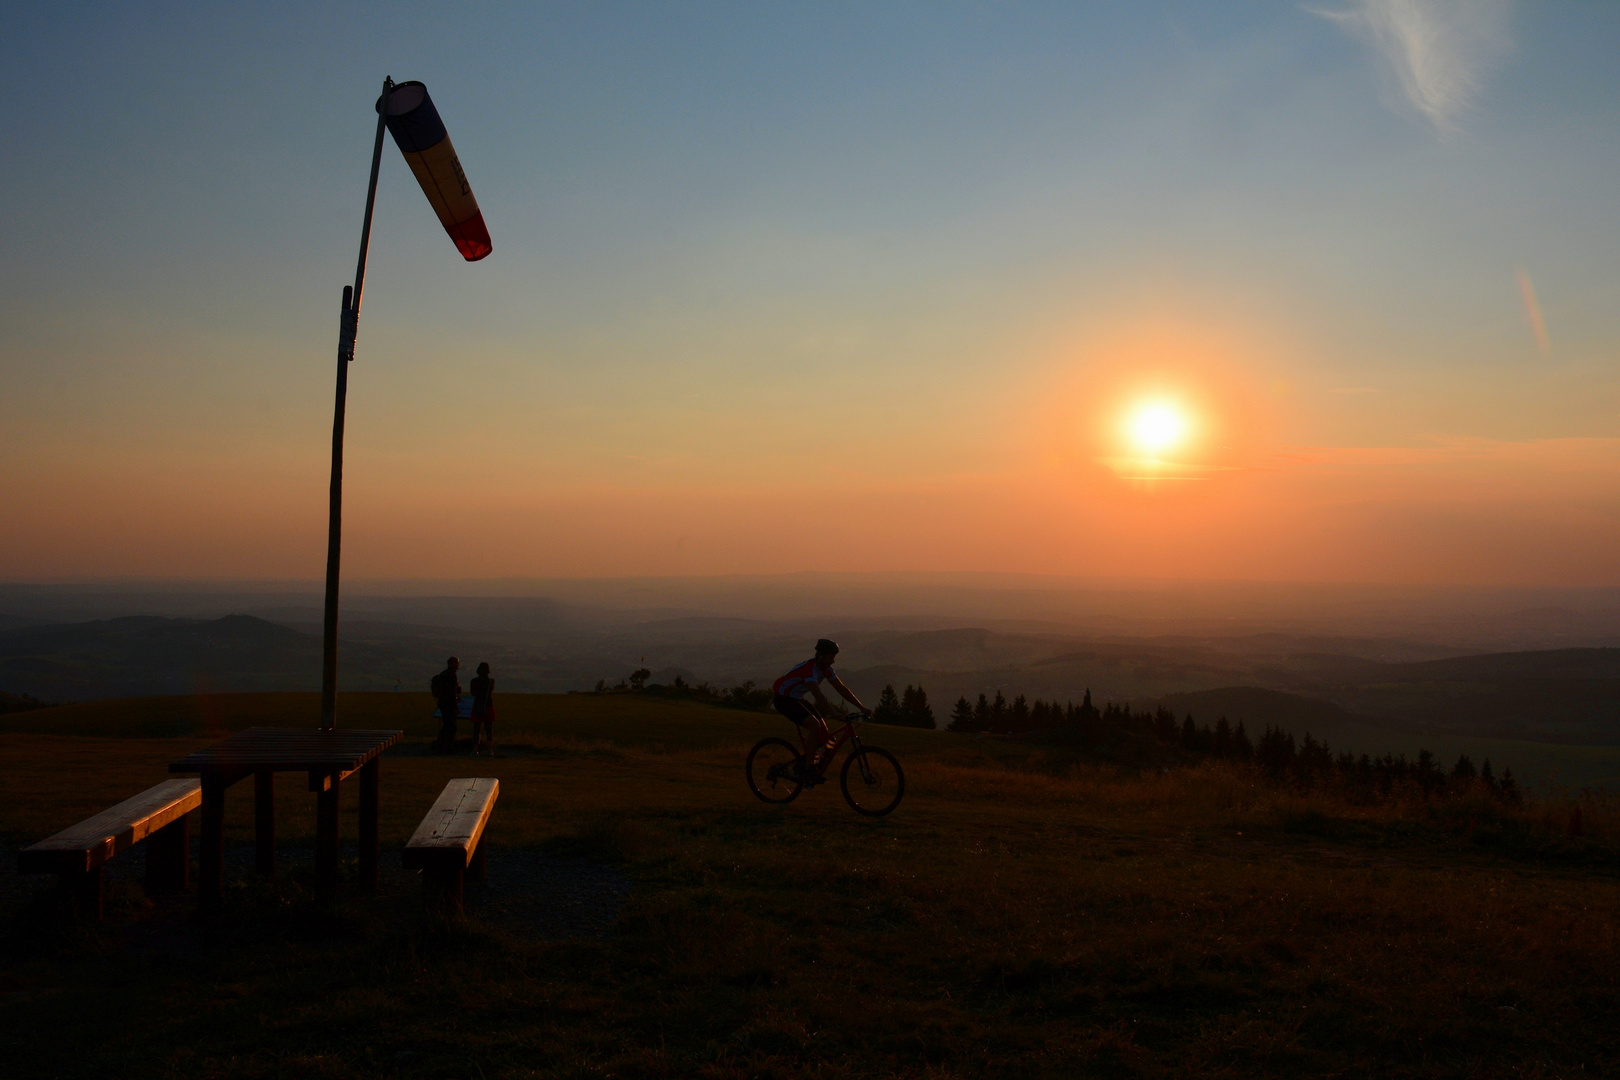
789 691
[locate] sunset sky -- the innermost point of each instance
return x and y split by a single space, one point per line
821 287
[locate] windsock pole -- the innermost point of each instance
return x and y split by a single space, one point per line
348 329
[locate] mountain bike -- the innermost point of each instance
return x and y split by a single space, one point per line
871 778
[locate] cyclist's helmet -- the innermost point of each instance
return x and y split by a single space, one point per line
828 646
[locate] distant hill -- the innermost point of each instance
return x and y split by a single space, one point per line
1558 695
146 655
1544 664
1549 696
10 703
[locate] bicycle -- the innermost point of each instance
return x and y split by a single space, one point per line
777 772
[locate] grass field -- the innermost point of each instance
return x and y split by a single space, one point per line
1021 914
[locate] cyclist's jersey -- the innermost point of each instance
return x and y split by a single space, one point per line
797 683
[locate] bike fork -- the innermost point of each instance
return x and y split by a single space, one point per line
860 758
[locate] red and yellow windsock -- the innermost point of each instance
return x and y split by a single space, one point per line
420 136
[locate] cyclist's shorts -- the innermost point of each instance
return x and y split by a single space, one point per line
794 709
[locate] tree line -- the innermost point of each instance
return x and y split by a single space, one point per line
1018 717
1309 763
1276 753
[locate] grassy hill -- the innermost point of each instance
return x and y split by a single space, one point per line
1018 916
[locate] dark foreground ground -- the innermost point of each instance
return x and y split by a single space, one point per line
1020 915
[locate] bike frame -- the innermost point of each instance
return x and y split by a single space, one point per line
845 734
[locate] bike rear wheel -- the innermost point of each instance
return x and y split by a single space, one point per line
773 771
873 782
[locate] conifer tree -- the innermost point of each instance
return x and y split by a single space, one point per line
1164 726
1275 752
1242 748
1464 769
961 716
1315 758
998 713
981 714
888 708
1510 789
1018 719
1428 773
1040 716
918 713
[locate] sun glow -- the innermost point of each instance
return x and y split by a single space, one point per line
1155 427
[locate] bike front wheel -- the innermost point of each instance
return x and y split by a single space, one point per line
773 771
873 782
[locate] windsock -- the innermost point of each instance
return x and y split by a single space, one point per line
420 136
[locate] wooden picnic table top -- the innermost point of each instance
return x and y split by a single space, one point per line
290 750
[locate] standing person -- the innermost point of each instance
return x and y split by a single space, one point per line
447 692
788 698
483 710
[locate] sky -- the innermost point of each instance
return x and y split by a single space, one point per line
825 287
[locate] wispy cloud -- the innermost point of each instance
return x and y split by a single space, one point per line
1439 50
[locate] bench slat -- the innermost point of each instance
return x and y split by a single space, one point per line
94 840
455 824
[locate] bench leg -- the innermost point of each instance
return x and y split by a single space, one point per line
441 891
211 853
475 865
264 823
370 789
168 856
326 841
84 889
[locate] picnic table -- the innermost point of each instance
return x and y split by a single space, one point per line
329 757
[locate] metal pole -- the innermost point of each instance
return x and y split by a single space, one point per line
347 332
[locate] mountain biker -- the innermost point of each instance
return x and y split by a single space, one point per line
788 693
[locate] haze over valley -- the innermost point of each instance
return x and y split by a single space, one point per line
1455 670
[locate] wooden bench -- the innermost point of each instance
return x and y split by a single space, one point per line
448 846
157 815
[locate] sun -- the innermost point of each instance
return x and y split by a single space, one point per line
1155 427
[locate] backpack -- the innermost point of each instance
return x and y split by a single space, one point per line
436 686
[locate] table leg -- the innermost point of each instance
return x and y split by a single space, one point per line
264 822
85 888
326 840
211 857
370 787
168 856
